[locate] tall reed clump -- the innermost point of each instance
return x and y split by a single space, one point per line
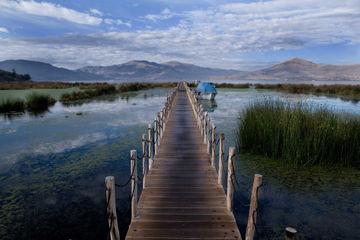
38 102
12 105
300 134
88 93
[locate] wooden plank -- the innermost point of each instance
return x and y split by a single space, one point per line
200 233
182 199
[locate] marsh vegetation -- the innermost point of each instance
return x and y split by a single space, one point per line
300 134
34 103
106 89
346 92
39 96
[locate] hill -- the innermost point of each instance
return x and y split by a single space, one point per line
151 71
298 69
293 70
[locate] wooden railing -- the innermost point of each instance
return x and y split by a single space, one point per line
215 146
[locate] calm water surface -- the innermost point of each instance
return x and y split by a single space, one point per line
52 166
52 169
320 203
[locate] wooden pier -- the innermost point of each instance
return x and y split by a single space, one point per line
183 195
182 199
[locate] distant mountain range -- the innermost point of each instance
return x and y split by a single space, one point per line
298 69
293 70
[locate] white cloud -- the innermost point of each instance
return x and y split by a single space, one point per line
117 22
3 30
217 36
165 14
96 12
47 9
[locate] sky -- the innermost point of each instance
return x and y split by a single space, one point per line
243 35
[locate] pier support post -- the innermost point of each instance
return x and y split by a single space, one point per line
230 187
205 127
158 128
250 229
150 146
144 163
201 121
111 208
213 146
221 158
290 233
133 169
208 140
162 123
164 119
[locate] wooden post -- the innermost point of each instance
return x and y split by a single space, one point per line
151 147
201 121
250 229
144 165
133 169
163 121
208 141
230 187
111 208
156 128
213 147
221 158
161 124
205 127
290 233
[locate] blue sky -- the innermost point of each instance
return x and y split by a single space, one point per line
241 35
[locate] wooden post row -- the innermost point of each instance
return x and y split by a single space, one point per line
250 229
111 208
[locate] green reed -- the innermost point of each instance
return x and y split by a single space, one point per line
36 102
12 105
300 134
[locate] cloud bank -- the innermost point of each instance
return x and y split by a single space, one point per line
218 36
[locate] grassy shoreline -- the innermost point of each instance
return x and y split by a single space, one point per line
40 102
345 92
34 103
300 134
107 89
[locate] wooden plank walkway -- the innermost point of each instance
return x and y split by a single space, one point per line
182 199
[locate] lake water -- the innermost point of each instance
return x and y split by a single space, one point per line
52 170
319 203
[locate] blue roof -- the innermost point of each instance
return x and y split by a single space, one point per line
206 87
